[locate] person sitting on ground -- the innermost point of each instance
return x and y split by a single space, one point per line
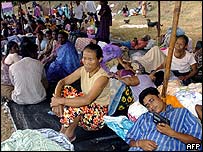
27 26
86 111
10 58
48 47
47 22
18 29
40 26
66 60
198 57
48 59
28 76
41 41
5 32
12 53
183 63
146 135
85 24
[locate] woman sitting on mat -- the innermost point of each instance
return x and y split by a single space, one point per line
87 110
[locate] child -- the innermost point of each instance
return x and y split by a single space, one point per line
10 58
12 53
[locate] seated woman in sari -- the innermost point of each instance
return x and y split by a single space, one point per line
66 60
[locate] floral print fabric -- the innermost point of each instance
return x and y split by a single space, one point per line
91 116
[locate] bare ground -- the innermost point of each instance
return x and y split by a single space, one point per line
6 125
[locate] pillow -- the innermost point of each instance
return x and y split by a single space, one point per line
136 110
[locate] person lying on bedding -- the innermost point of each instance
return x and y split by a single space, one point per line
135 44
135 83
148 135
88 109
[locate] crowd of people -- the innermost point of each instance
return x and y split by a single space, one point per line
45 55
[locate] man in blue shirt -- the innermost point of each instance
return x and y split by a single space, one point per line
147 135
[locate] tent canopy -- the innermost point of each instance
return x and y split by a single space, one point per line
7 5
7 8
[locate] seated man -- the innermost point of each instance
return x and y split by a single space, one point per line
146 135
28 76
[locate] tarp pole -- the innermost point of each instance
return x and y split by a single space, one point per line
159 22
171 47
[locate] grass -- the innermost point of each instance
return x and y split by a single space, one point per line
190 20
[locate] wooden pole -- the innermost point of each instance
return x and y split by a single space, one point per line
171 47
159 22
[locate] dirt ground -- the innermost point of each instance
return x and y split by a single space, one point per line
6 125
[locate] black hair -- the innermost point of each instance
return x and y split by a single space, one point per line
28 48
148 91
39 21
146 38
120 67
56 31
198 45
10 45
96 48
159 78
62 32
48 31
184 37
40 32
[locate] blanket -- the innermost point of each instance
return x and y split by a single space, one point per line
29 140
152 59
38 117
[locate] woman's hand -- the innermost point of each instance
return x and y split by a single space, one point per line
56 101
58 110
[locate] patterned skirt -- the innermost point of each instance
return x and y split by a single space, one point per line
91 116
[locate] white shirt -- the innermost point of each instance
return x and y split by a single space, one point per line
12 58
182 65
90 6
78 11
26 76
42 44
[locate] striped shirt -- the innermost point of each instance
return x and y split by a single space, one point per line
181 120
